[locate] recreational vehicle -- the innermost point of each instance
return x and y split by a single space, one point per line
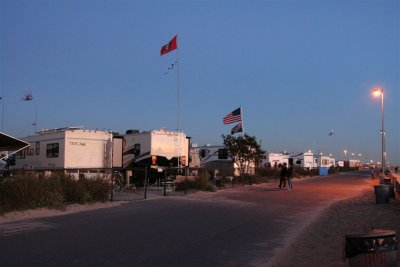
304 160
326 162
157 148
275 159
216 159
70 148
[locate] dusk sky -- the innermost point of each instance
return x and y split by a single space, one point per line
298 69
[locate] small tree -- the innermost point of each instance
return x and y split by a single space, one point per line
244 150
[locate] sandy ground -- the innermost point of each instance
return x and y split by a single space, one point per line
322 242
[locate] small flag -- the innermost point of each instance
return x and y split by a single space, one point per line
234 116
238 128
27 97
172 45
331 133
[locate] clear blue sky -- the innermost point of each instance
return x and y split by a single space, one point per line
297 68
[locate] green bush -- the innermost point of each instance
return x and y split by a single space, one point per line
23 192
29 192
202 183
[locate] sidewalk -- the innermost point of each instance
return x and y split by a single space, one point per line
322 242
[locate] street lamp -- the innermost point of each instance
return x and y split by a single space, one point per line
379 92
345 153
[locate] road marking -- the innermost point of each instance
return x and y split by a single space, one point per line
13 228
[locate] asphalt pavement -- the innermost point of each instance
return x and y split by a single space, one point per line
243 226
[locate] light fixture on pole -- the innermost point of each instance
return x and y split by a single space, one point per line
379 92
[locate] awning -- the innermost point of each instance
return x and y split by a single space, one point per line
10 144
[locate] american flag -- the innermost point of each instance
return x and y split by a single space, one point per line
234 116
238 128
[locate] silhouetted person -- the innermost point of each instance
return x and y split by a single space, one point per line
282 180
290 173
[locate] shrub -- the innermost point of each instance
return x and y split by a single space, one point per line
202 182
29 192
23 192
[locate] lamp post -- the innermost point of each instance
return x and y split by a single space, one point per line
379 92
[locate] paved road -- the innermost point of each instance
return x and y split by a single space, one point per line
232 227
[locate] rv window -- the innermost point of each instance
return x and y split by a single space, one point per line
30 152
137 150
202 153
223 153
21 154
52 150
37 148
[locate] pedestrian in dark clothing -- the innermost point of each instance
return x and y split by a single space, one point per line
290 173
282 180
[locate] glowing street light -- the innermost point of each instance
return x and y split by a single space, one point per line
379 92
345 153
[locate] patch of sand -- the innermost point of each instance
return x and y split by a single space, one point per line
322 242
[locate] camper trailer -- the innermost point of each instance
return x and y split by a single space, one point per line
275 159
326 162
304 160
157 148
70 148
216 158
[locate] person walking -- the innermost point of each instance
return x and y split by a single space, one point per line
290 173
283 175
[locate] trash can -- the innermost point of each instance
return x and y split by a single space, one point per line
375 248
323 171
388 181
381 194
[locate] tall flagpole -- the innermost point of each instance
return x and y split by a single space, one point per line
178 91
2 112
241 112
178 104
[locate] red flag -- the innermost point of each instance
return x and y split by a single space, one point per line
172 45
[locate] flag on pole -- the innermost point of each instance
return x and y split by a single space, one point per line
237 129
27 97
232 117
172 45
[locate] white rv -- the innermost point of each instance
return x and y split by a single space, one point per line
326 161
306 160
275 159
157 147
69 148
